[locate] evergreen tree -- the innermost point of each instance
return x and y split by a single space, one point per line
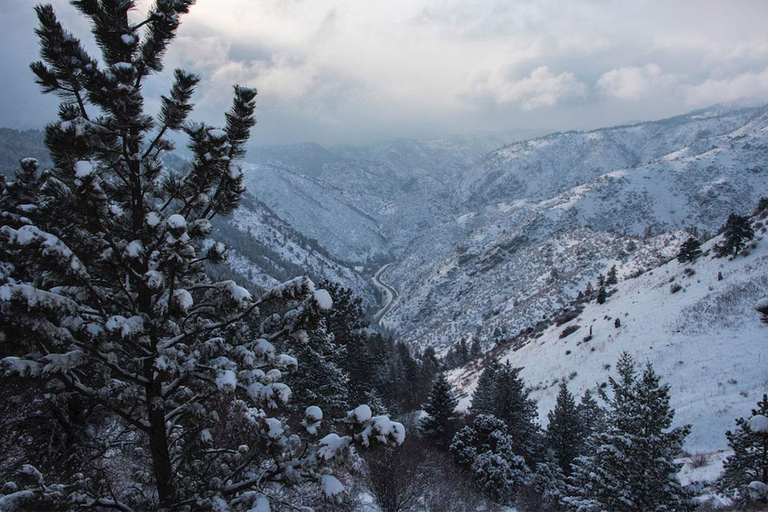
601 281
589 291
106 297
347 324
565 435
592 417
689 251
487 449
546 486
501 392
441 402
613 276
602 294
632 467
749 462
484 396
477 350
321 381
736 231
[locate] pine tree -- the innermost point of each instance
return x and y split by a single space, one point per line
736 231
484 396
321 382
347 324
487 449
592 418
613 276
440 406
601 281
689 251
565 435
602 294
632 467
589 291
749 462
106 297
501 392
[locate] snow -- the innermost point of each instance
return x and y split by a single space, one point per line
332 445
62 363
264 349
762 304
206 436
177 221
286 361
84 169
239 294
217 133
127 327
262 505
323 300
123 65
331 487
360 414
313 413
134 249
706 341
274 429
382 429
235 172
226 381
758 423
757 490
128 39
313 417
183 299
153 219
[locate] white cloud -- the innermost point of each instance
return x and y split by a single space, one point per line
542 88
373 69
280 79
636 83
745 86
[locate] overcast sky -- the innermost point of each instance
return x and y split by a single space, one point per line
360 70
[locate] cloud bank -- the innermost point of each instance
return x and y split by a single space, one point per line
347 71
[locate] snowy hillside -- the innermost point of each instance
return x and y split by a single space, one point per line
704 338
495 270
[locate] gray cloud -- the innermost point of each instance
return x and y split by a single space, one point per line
346 71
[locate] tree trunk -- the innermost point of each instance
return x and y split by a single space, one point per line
161 459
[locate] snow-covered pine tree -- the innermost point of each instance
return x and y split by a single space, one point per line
736 231
104 294
612 277
346 322
592 417
441 403
746 471
689 251
484 396
602 295
632 468
565 435
321 382
501 392
486 447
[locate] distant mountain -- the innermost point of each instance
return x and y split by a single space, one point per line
16 144
501 267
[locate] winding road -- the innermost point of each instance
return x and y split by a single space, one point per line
390 292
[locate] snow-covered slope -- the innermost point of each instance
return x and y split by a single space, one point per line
705 340
492 271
